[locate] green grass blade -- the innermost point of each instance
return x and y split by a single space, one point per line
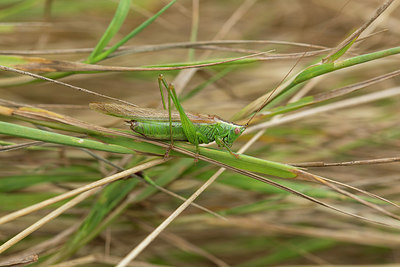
132 34
305 101
113 28
283 252
9 183
98 54
36 134
13 61
110 197
250 163
96 221
239 181
169 175
340 53
317 70
324 68
15 200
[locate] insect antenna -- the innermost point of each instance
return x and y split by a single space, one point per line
273 91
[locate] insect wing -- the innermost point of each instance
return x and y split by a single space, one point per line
147 114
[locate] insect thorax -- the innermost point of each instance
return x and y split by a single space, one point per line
225 131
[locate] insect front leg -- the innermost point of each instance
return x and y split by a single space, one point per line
220 142
161 82
201 138
132 125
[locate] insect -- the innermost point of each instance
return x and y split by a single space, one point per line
175 125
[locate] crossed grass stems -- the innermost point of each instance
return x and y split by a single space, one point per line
301 174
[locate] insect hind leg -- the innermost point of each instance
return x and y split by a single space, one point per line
169 148
132 125
163 83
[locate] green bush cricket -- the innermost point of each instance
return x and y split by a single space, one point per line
171 125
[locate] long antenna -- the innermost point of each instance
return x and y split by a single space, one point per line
269 97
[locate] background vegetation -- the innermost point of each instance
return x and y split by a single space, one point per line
344 108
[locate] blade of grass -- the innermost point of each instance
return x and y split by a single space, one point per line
130 35
285 251
94 223
98 54
311 100
333 106
314 71
345 45
106 180
26 180
112 29
110 196
36 134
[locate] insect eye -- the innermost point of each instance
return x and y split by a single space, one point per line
237 131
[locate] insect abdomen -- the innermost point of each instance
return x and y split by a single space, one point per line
159 130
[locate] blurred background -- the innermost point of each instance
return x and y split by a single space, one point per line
265 226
